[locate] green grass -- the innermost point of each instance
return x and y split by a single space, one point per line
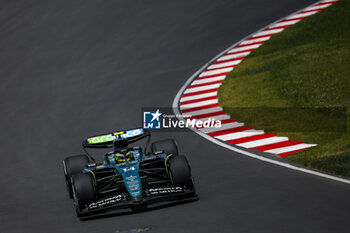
298 85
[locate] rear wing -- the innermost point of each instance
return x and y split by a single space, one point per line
110 139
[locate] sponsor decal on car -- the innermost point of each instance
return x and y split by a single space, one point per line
107 201
165 190
133 133
112 137
101 139
132 182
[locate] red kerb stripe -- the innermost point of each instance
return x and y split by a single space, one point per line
226 121
199 108
325 3
212 114
290 152
205 84
212 76
222 122
233 59
228 131
211 69
285 26
276 145
199 92
243 51
302 12
198 100
251 138
243 45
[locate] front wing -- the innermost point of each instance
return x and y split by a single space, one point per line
150 196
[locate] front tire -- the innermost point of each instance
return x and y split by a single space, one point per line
73 165
84 191
180 172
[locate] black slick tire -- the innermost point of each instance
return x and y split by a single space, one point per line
180 172
73 165
84 191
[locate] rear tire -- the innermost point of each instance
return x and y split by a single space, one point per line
84 191
167 145
73 165
180 172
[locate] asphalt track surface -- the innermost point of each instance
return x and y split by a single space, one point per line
71 69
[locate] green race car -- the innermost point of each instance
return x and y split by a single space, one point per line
127 177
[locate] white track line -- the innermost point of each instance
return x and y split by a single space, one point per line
230 147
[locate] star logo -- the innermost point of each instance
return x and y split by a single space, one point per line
156 115
152 119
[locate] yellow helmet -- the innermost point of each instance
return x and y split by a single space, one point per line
121 158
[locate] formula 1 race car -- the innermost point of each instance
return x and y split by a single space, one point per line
128 177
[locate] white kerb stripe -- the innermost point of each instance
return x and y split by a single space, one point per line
300 15
216 118
223 127
203 88
330 1
244 48
268 32
255 40
242 134
316 7
198 104
208 80
194 97
230 63
213 72
285 23
262 142
233 56
204 111
290 148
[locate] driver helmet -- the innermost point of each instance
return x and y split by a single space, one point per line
121 158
